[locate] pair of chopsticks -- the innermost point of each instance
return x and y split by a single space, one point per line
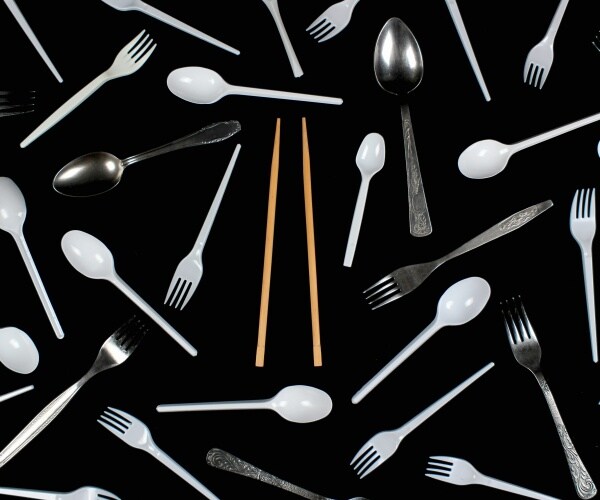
310 239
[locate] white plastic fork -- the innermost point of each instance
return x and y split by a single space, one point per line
136 434
189 271
540 57
384 444
83 493
583 228
333 20
129 59
460 472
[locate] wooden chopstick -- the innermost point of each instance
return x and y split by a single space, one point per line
266 283
310 240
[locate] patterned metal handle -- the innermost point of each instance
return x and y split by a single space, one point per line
226 461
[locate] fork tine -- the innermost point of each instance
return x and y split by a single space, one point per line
177 284
187 295
115 421
143 59
374 462
592 212
110 425
322 29
138 52
131 44
317 21
509 324
130 334
575 204
526 328
334 31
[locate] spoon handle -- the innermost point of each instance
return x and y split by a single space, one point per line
215 132
282 94
230 463
166 18
273 7
39 286
12 394
555 132
227 405
359 209
144 306
397 360
418 214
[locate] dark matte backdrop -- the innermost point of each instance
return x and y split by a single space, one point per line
150 221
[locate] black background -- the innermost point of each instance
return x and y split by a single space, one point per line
150 220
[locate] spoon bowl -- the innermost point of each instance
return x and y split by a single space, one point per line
95 173
484 159
13 208
88 255
459 304
17 351
295 403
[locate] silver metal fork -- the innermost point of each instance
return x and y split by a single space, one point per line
583 228
189 271
333 20
405 279
460 472
384 444
17 103
136 434
129 59
114 351
527 351
83 493
540 57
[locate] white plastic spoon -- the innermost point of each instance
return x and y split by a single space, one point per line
459 304
13 211
12 394
369 160
204 86
17 351
93 259
124 5
296 403
488 157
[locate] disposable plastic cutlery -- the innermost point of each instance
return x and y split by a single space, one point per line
540 57
370 159
528 353
405 279
583 228
166 18
93 259
460 472
13 211
17 102
17 351
226 461
459 304
200 85
466 43
113 352
384 444
129 59
98 172
84 493
297 403
12 394
273 7
596 42
488 157
16 12
135 433
189 271
333 20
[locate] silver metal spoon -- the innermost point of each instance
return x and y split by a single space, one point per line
226 461
398 65
96 173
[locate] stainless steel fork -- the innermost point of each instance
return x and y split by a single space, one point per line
129 59
527 351
583 228
114 351
540 57
135 433
189 271
405 279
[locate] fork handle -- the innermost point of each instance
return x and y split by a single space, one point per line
23 493
512 488
556 19
588 276
506 226
66 108
39 422
584 485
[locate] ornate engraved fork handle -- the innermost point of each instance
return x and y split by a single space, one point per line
418 214
226 461
583 482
